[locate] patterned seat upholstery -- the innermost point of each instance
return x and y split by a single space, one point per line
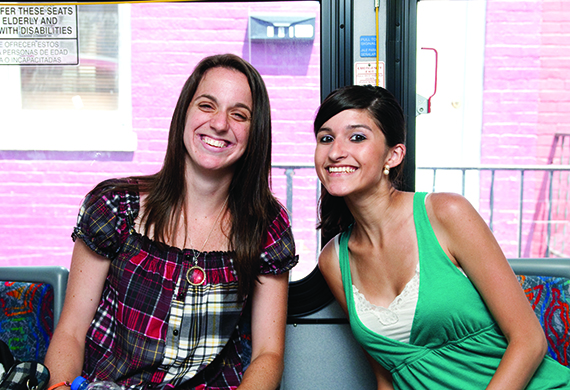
550 300
31 299
26 319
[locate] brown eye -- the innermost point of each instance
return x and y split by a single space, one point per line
325 139
206 106
357 138
241 116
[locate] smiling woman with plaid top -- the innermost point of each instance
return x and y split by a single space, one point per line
179 279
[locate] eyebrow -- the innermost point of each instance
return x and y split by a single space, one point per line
238 104
359 126
349 127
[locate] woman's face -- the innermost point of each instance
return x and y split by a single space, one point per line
218 121
350 154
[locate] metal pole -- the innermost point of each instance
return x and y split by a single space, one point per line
289 172
463 182
549 222
492 199
520 213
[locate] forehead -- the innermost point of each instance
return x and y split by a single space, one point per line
225 84
351 118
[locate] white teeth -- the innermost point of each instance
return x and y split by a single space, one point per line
214 143
341 169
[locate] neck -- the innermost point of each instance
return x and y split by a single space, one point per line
206 191
374 213
205 222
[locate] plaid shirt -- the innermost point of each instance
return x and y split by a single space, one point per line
152 328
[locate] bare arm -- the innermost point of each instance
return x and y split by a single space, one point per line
330 268
268 320
87 276
469 242
383 376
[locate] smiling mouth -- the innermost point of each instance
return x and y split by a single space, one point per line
214 142
341 169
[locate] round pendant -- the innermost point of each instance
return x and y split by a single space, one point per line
196 276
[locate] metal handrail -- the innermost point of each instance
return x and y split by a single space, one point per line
289 172
498 167
550 169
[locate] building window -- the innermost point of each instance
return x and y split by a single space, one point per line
85 107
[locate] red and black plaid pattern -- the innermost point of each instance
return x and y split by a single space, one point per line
153 328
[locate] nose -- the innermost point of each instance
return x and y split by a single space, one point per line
219 121
337 151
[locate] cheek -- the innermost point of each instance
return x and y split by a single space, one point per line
241 141
319 161
320 175
188 139
320 153
242 135
189 127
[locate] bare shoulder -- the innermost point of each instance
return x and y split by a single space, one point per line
455 222
328 258
449 208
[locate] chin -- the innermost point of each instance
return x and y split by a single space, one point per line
338 192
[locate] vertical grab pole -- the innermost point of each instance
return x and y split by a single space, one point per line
492 199
289 172
377 8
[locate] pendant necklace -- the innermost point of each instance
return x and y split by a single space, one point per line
196 275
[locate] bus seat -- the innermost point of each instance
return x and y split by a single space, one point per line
320 350
321 353
31 300
546 283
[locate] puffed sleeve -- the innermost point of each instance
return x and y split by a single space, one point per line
279 253
104 221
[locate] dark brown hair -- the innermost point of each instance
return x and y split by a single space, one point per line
387 114
251 204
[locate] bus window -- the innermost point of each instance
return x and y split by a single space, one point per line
497 125
67 127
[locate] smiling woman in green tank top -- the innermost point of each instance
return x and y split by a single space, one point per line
428 292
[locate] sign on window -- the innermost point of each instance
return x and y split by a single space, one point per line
38 35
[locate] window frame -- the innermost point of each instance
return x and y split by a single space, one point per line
311 294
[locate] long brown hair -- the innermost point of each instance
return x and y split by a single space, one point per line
251 204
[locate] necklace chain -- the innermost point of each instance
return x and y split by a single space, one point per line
196 275
195 259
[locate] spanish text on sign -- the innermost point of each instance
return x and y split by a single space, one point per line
38 35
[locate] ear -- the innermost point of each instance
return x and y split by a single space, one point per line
396 155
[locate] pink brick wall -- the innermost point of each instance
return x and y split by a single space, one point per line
40 197
526 101
554 117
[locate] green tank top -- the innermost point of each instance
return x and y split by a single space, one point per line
454 343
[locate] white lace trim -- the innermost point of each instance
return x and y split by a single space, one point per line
387 316
396 320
